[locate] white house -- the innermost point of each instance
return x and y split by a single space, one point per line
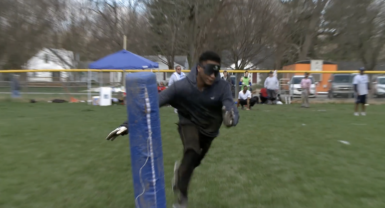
49 58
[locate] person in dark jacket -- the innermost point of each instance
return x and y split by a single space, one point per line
204 102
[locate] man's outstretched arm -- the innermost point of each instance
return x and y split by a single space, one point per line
230 112
165 97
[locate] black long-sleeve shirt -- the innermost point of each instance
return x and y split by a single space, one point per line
201 108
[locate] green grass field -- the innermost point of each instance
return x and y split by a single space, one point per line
55 156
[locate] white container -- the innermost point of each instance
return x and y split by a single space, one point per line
105 96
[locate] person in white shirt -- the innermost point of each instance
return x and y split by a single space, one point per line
361 87
272 86
176 76
244 98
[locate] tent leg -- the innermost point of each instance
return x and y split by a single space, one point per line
89 88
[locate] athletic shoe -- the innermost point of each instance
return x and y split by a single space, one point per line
363 114
181 203
356 114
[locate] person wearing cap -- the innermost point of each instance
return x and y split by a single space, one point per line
361 88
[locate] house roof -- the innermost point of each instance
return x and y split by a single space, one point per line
181 60
309 61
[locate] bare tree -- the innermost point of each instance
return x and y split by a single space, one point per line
357 30
114 19
250 39
25 26
167 19
304 20
184 26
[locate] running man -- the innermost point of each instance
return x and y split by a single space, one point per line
204 102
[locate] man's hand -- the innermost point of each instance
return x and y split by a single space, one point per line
228 117
120 131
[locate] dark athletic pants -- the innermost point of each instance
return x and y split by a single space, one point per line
195 147
253 101
263 99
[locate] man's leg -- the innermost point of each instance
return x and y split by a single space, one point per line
263 100
274 97
363 103
357 105
186 169
270 97
303 99
356 109
306 99
205 143
191 157
243 103
253 101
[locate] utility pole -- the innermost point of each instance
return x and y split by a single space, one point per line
125 42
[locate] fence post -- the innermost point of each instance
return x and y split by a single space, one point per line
237 78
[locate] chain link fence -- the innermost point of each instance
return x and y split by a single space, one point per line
333 87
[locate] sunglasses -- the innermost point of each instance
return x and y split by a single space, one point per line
210 69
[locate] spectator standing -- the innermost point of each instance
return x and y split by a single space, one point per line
15 86
272 86
245 80
305 85
361 87
177 75
226 77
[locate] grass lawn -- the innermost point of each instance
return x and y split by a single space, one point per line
55 156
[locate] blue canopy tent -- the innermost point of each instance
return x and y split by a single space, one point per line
121 60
